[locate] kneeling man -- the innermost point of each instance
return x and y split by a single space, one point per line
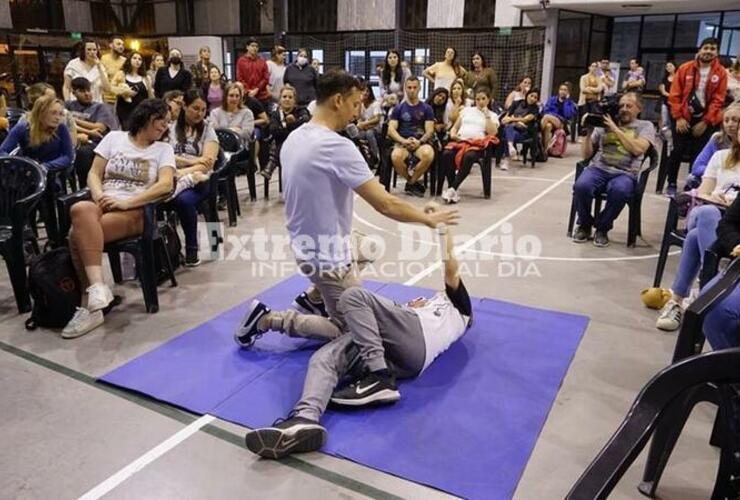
384 341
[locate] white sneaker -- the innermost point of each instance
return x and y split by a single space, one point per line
98 297
454 197
446 195
670 317
82 322
504 164
513 153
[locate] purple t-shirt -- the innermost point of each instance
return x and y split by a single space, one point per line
411 119
215 97
320 171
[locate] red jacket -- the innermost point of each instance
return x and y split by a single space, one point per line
684 83
253 73
466 145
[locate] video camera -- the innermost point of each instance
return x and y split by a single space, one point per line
606 106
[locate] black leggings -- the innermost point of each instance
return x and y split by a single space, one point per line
456 177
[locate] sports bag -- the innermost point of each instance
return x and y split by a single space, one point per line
559 144
54 288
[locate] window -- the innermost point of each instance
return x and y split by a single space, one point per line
318 54
44 14
625 38
731 34
693 28
657 32
479 13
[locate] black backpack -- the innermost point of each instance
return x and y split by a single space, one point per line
172 245
54 288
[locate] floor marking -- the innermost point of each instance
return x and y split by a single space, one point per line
468 244
116 479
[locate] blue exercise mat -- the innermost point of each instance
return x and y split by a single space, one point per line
467 425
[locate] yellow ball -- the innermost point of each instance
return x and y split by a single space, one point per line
655 298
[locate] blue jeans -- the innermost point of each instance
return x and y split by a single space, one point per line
187 210
592 181
513 134
702 232
722 321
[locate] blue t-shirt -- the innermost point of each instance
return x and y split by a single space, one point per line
411 118
320 171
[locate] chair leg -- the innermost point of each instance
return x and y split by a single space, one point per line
662 168
147 275
115 266
18 279
662 260
632 223
485 170
167 261
232 203
252 182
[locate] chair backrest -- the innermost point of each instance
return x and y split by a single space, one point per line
229 140
22 182
14 114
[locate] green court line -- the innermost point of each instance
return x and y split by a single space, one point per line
186 418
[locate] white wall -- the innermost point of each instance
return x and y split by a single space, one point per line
366 15
189 45
5 20
445 13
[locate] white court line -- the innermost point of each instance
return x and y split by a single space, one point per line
468 244
116 479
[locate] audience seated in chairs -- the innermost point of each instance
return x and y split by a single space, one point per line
619 148
558 111
722 322
719 187
285 119
519 123
473 131
93 120
130 170
411 127
196 149
370 122
720 140
42 136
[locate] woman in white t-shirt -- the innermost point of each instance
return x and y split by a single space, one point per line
196 148
446 71
86 65
130 170
719 186
371 119
475 124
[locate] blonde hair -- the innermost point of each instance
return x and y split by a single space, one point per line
458 81
733 158
38 132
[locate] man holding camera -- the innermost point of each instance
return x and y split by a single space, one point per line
616 150
696 99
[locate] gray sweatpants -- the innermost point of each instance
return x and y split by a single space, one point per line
380 334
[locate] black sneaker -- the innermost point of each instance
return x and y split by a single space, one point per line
418 186
294 435
221 205
601 239
306 305
409 189
248 331
582 234
372 389
191 257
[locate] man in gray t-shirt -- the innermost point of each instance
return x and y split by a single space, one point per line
619 152
322 171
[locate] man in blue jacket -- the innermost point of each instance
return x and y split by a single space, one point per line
558 110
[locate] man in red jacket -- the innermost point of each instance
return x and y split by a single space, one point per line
252 71
697 96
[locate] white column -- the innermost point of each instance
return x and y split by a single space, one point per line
445 13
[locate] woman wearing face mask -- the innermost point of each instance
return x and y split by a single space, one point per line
174 76
393 75
444 72
118 197
303 78
285 119
196 148
480 75
470 135
233 114
133 76
214 89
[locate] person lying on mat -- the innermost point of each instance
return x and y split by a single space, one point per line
385 340
316 159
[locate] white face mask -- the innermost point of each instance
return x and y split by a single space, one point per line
302 61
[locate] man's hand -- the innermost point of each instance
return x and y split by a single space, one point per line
699 129
442 217
609 124
682 126
253 92
95 134
735 251
413 144
290 119
83 138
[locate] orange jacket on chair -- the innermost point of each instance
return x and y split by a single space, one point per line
466 145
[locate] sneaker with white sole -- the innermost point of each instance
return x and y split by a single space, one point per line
82 322
446 195
513 153
670 317
285 437
99 297
249 330
454 196
373 389
304 304
504 165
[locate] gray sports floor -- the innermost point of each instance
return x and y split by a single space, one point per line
63 435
